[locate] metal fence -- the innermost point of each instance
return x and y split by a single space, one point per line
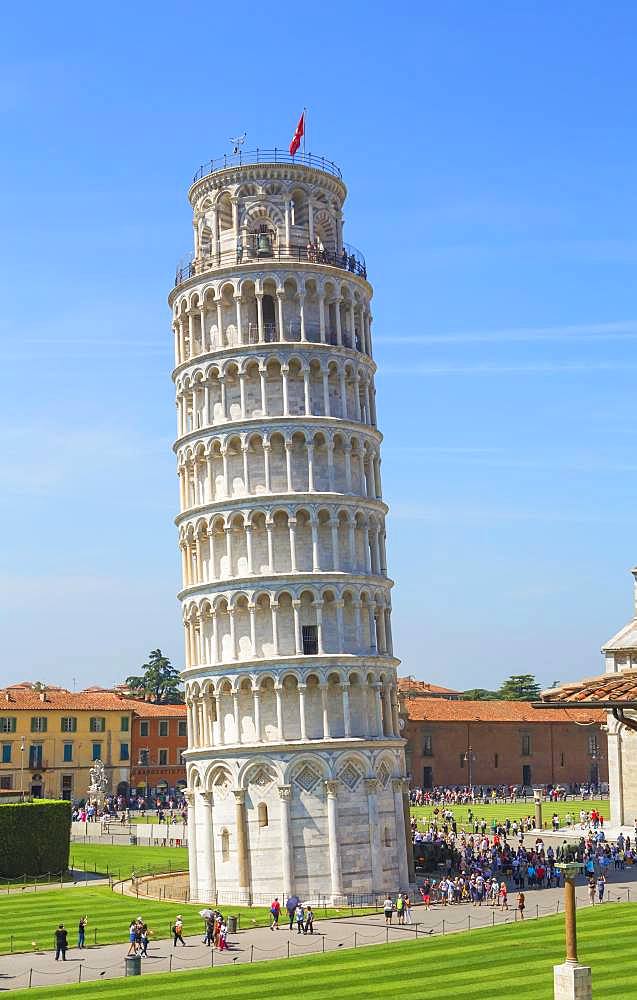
250 156
349 259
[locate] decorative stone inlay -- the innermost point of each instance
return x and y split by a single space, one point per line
350 776
307 778
384 774
262 777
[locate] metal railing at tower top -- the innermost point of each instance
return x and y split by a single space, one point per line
348 259
250 156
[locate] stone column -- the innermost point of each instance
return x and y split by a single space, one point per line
278 694
298 637
347 717
260 334
321 301
615 770
266 464
268 529
378 709
292 533
219 323
326 393
302 317
335 553
315 546
401 833
274 607
306 393
331 787
248 531
337 313
409 847
288 465
262 374
376 860
387 717
302 718
287 855
326 715
253 629
192 848
280 294
206 860
343 391
256 700
340 630
284 379
310 468
233 634
246 469
243 860
237 716
242 394
348 467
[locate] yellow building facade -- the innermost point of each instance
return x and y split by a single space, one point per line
50 737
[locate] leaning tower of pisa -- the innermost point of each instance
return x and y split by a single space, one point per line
295 763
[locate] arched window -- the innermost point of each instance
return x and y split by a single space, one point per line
263 814
225 845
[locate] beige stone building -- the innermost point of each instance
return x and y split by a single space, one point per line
616 692
296 767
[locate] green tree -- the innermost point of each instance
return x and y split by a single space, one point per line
159 680
520 687
479 694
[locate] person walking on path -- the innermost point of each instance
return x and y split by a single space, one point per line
132 937
400 908
143 941
223 935
275 912
61 943
291 905
521 905
388 907
591 891
81 931
178 932
601 885
309 921
300 918
407 902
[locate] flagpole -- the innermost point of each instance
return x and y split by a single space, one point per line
304 128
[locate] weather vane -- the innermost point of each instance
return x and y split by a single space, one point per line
237 143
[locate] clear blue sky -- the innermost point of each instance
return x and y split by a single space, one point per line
490 155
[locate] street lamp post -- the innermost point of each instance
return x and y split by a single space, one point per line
22 748
571 981
469 757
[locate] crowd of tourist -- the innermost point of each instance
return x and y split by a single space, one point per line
457 795
170 809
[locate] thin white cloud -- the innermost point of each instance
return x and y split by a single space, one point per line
534 368
626 330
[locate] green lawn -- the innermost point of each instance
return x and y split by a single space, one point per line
519 810
511 961
121 861
34 916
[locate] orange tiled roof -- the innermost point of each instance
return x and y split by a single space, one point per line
151 709
440 710
406 684
25 696
619 687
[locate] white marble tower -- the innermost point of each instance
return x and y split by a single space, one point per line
296 770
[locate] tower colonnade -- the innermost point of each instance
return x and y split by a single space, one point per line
295 760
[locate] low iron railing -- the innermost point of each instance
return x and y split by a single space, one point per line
250 156
348 259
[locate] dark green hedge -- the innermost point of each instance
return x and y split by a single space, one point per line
34 838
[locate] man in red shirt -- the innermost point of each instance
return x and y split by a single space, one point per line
275 910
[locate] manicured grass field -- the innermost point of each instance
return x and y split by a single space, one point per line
504 962
34 917
120 862
519 810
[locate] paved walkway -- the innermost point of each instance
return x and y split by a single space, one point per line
107 961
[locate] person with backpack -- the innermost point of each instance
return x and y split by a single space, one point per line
300 918
388 908
178 932
400 908
61 943
309 921
275 912
81 931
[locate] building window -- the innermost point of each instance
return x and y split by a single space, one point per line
225 845
8 724
38 723
144 757
310 640
496 759
162 758
163 727
68 724
67 753
6 782
427 745
6 753
123 751
35 756
462 760
67 786
182 759
97 724
526 745
593 745
562 759
263 814
97 751
143 728
124 724
182 728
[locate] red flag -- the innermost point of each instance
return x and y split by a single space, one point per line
296 138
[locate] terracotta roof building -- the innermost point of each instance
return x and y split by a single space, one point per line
421 689
158 740
501 743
